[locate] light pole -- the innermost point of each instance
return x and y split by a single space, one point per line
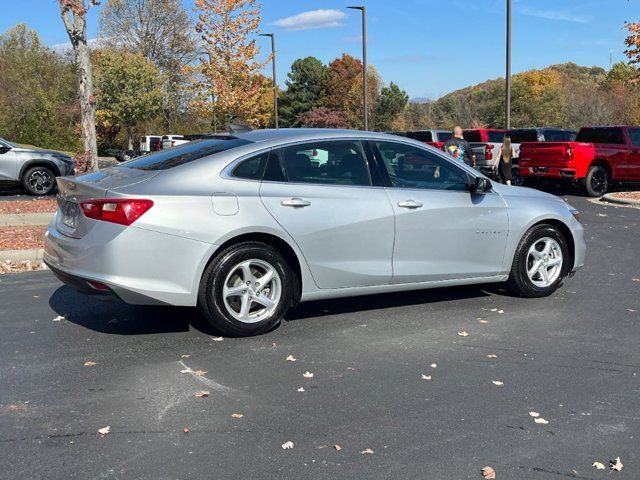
364 63
508 73
275 84
214 119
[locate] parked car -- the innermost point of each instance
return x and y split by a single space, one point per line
169 141
246 227
435 138
597 157
35 170
485 143
150 143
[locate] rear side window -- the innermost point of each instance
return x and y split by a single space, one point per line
340 162
420 136
472 136
601 135
496 137
185 153
251 168
634 136
520 136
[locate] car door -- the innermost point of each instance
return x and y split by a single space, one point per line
8 162
633 155
443 231
321 193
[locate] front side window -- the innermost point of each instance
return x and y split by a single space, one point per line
634 136
340 162
411 167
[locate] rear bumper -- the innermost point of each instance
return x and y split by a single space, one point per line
561 173
138 266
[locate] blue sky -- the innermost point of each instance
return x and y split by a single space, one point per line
428 47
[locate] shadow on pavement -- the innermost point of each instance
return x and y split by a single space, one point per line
365 303
118 318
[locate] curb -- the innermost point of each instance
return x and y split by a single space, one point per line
31 255
25 219
609 197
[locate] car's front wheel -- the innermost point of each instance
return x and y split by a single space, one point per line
39 181
540 262
246 289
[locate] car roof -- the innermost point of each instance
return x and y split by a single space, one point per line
301 134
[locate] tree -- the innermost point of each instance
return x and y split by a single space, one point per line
304 86
323 117
38 103
128 90
341 76
74 17
390 105
161 31
231 74
353 102
633 42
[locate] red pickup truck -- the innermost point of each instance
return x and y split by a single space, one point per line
598 157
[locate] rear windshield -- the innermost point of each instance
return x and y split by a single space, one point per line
496 137
472 136
444 136
520 136
600 135
421 136
185 153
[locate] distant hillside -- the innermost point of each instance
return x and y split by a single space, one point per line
565 95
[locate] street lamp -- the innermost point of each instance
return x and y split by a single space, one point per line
508 73
364 63
214 120
275 84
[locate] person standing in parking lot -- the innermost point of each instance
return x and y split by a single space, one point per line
506 154
459 148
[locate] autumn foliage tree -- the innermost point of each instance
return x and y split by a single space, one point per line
74 17
633 42
323 117
228 81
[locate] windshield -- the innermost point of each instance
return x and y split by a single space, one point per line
185 153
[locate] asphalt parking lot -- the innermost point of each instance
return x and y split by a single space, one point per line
573 358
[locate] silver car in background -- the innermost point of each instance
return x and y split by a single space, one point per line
249 225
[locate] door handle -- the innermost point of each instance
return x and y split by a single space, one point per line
295 202
410 204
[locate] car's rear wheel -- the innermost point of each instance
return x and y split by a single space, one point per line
39 181
597 181
246 289
540 263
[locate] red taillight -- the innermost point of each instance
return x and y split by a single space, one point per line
570 152
488 151
123 211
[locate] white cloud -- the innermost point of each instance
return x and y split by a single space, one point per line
554 15
312 19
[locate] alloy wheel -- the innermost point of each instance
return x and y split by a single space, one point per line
544 262
40 181
252 291
599 182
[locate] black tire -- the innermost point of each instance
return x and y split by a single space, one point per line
39 181
519 282
210 295
597 181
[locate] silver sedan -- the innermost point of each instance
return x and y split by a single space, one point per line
248 225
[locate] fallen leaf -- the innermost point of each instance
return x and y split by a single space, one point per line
287 445
307 375
36 296
366 451
434 365
635 279
199 373
104 430
89 364
598 465
426 377
534 414
185 430
185 356
274 345
494 309
616 465
602 215
500 311
631 310
492 355
463 334
483 321
497 383
488 472
337 447
186 370
237 415
217 339
541 421
202 393
290 358
351 368
58 318
301 389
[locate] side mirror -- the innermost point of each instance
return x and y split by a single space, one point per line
480 185
4 149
